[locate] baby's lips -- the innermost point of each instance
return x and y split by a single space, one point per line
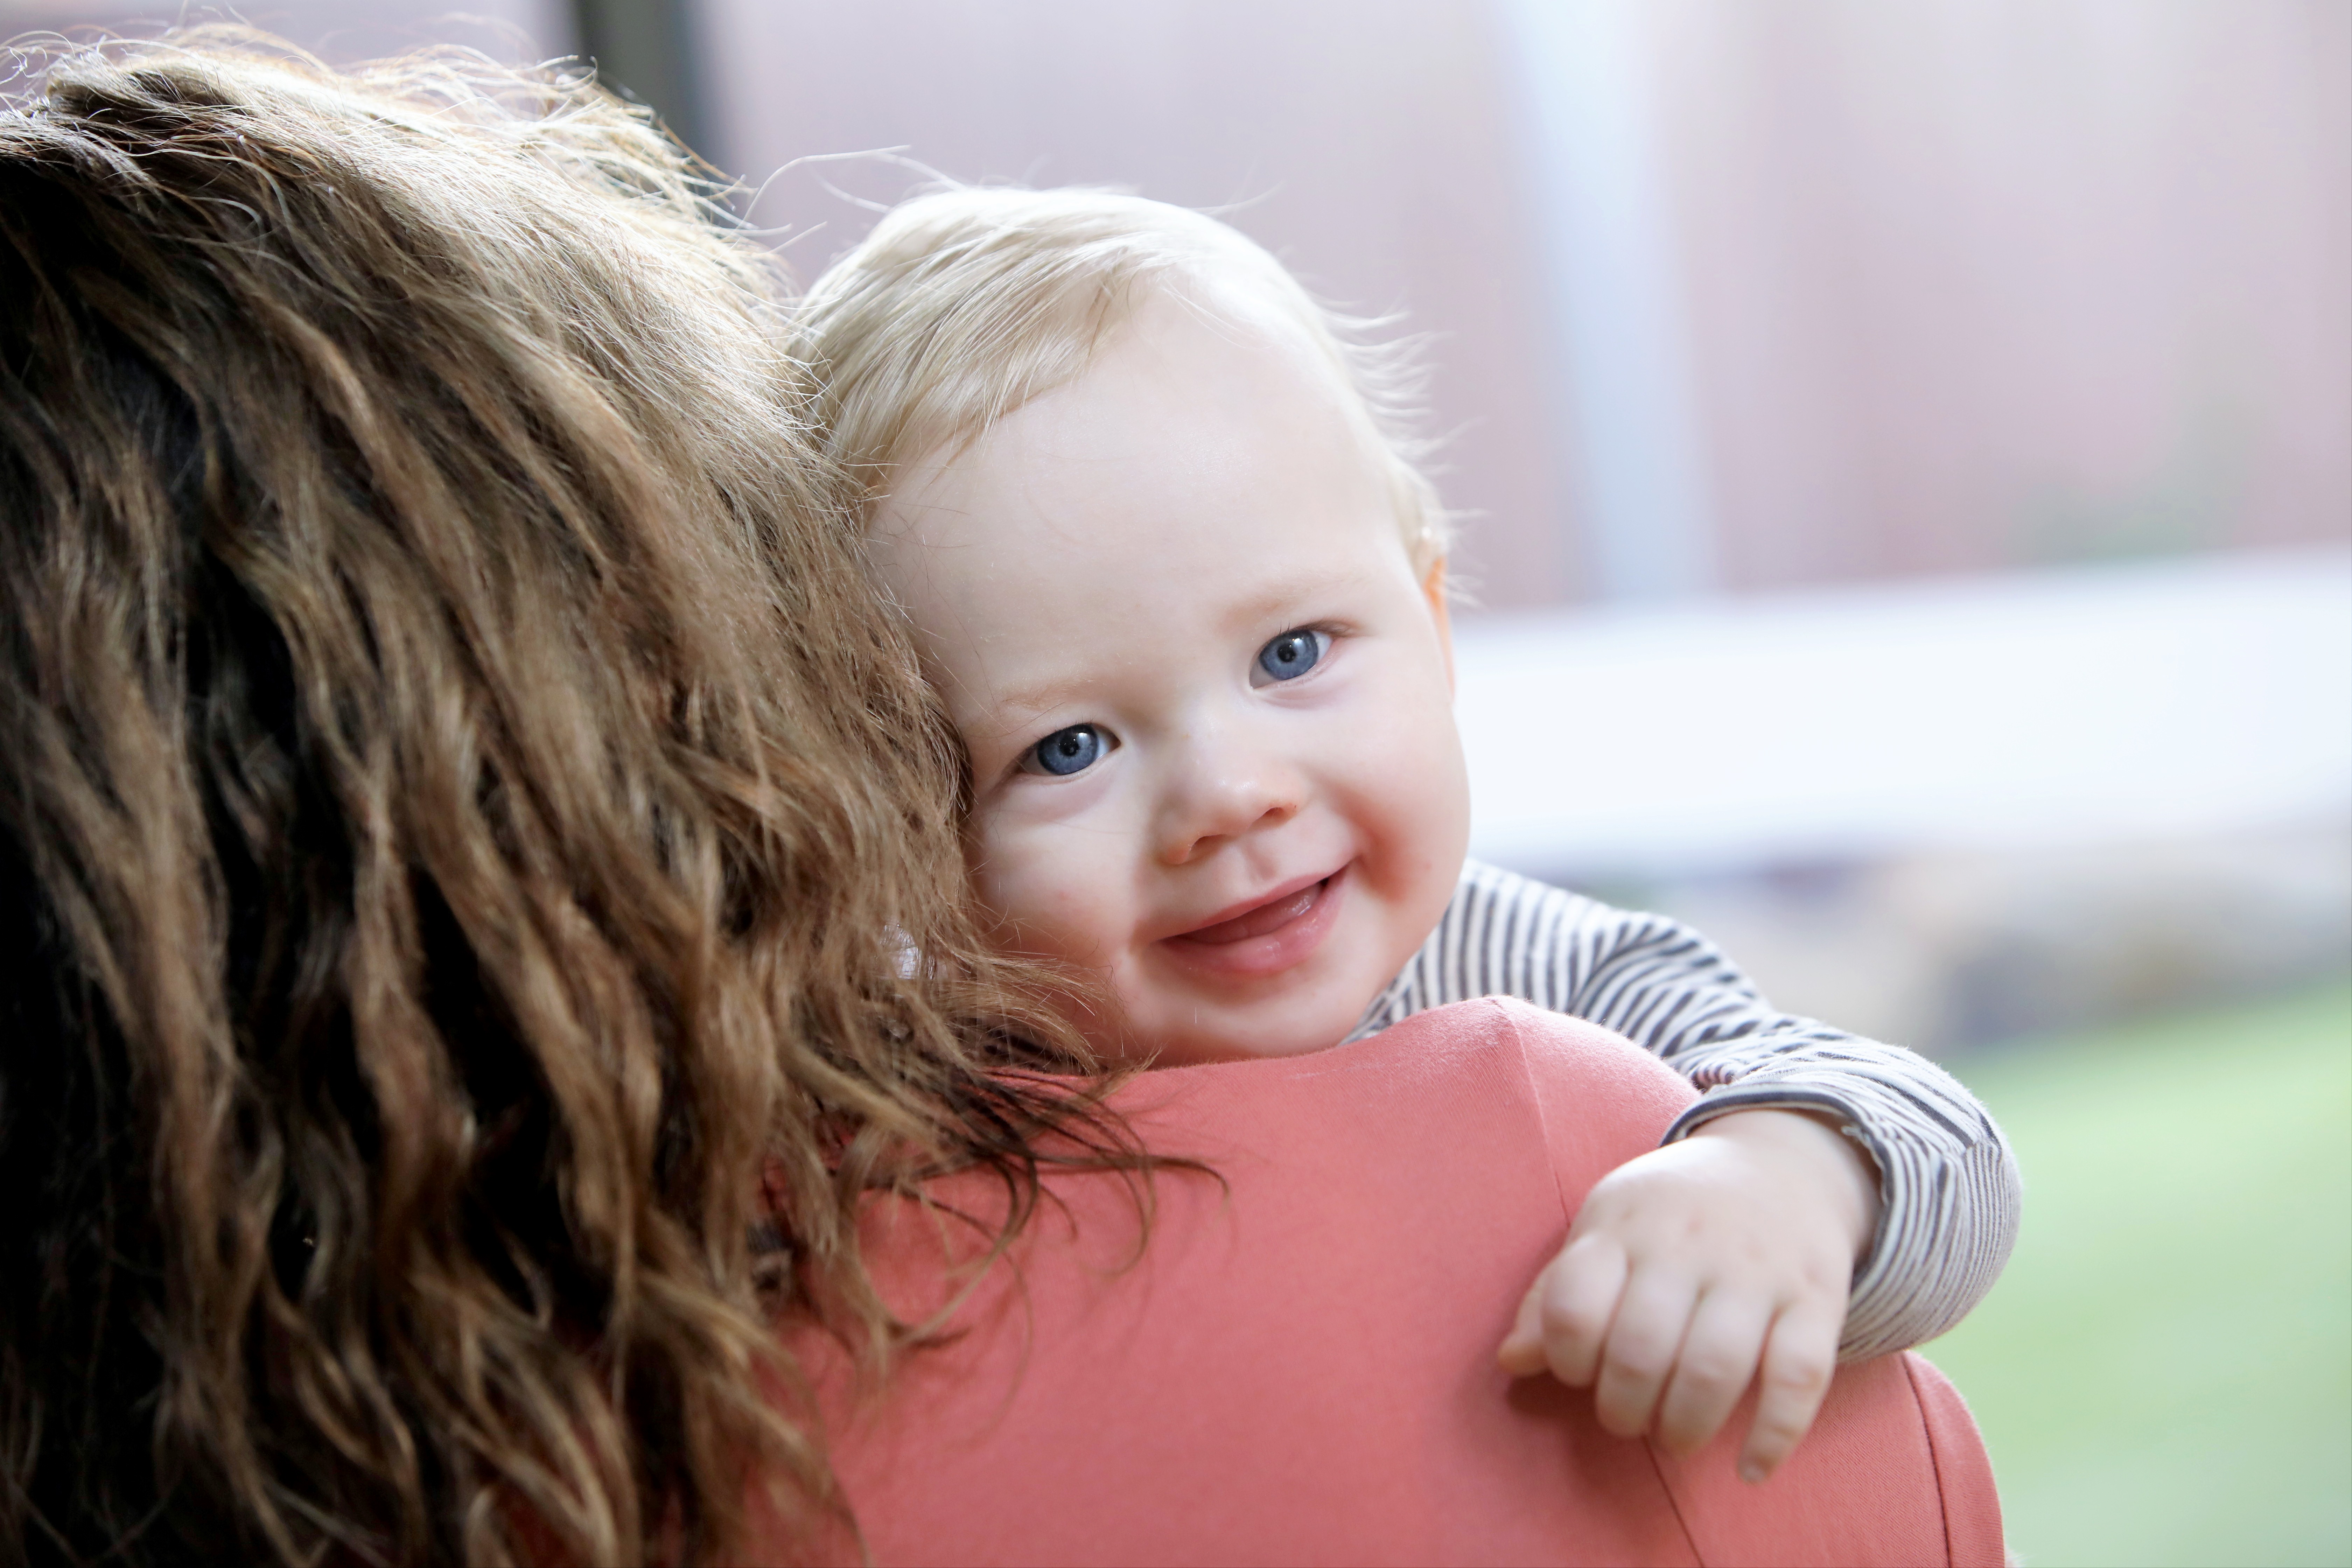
1272 915
1264 940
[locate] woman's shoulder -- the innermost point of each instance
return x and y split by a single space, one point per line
1296 1362
1503 1065
1598 1099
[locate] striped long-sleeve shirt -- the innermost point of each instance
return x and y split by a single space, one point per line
1947 1182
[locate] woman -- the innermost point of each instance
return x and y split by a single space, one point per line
461 816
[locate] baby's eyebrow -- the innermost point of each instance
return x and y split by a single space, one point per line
1283 594
1010 707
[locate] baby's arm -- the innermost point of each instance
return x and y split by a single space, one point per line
1946 1182
1699 1266
1693 1213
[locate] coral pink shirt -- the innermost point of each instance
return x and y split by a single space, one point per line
1300 1366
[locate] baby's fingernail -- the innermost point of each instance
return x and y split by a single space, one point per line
1752 1472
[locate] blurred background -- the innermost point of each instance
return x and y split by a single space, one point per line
1905 453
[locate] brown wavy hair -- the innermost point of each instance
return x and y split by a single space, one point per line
479 878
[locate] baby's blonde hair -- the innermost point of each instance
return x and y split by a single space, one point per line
964 304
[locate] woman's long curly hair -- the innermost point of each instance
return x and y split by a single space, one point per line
478 881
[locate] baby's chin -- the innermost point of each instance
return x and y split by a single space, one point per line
1234 1034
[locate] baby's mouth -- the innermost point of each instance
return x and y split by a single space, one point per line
1266 939
1270 916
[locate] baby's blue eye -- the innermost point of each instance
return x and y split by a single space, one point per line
1292 654
1070 751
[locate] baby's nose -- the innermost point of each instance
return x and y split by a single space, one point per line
1223 793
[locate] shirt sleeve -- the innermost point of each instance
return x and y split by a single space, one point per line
1947 1182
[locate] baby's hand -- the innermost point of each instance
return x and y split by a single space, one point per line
1691 1264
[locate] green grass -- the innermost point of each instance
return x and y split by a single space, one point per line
2164 1375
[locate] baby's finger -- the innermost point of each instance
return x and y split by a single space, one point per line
1652 1317
1577 1298
1799 1357
1522 1351
1716 1365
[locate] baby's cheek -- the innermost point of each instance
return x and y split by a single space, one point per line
1411 793
1044 897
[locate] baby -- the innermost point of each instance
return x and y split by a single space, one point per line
1182 588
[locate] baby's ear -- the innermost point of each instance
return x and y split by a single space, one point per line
1433 588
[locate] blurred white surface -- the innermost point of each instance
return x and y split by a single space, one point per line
2163 700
